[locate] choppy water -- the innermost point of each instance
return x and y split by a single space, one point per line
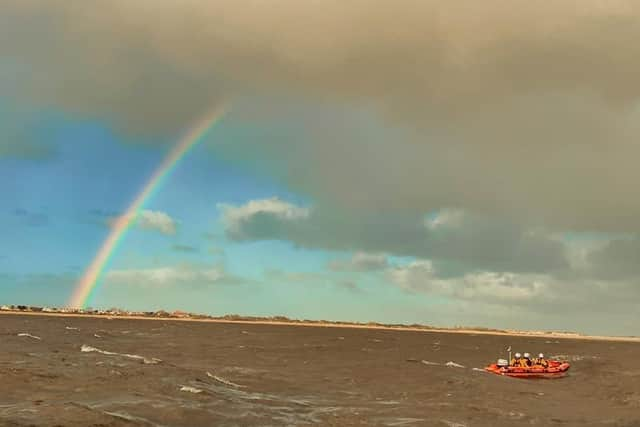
99 372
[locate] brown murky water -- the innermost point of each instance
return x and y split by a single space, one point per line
168 373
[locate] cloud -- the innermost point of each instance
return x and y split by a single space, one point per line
184 248
446 218
152 220
180 275
431 56
491 87
156 220
476 243
526 296
421 276
617 259
504 108
360 261
256 217
18 135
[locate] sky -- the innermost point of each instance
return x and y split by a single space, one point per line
445 163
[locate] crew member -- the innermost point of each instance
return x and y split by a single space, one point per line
516 359
541 361
526 361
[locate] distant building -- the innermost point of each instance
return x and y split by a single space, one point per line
179 314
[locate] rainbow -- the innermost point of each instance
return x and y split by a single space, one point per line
88 283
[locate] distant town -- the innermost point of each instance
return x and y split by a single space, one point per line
162 314
117 312
112 312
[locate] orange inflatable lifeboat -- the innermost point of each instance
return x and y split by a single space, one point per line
555 369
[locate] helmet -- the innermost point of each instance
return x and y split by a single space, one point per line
541 356
527 355
518 355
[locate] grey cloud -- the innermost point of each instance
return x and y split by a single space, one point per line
360 261
476 243
536 176
421 276
525 300
447 59
618 259
507 108
18 135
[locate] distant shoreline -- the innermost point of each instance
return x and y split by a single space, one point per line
468 331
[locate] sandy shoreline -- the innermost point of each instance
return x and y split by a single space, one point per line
556 335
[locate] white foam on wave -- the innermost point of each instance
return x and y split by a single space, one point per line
397 422
131 418
453 365
88 349
26 334
223 381
190 389
571 357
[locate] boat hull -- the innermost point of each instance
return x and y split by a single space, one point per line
556 369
